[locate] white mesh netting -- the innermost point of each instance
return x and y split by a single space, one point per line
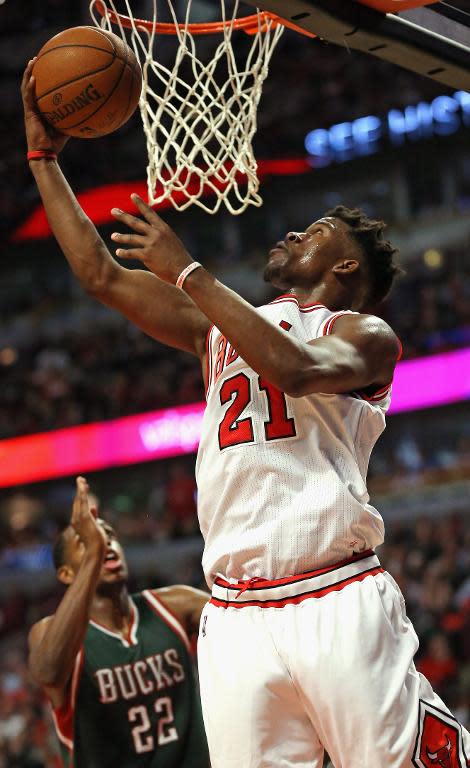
199 116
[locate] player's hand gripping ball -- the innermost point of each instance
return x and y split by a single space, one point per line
87 82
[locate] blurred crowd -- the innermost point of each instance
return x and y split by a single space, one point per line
26 736
429 558
95 375
146 503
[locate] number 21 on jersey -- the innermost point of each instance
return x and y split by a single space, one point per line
236 430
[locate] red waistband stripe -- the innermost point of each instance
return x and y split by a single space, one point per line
295 589
268 584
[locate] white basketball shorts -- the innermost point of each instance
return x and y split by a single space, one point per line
320 661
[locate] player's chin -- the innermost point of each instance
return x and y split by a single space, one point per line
114 576
273 274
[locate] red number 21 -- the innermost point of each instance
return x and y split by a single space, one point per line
233 430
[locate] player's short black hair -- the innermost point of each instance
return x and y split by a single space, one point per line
368 233
58 550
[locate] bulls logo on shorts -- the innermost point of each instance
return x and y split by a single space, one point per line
439 740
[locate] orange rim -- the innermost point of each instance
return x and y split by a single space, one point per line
251 25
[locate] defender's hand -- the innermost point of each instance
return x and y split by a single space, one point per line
39 134
84 520
153 242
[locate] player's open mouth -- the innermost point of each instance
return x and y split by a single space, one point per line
112 562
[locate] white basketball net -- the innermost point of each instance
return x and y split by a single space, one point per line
199 117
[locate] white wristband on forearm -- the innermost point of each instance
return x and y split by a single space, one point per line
187 271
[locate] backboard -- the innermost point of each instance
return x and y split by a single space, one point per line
429 38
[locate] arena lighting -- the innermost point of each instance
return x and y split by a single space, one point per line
367 135
423 383
98 201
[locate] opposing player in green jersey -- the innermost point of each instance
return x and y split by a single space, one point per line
117 668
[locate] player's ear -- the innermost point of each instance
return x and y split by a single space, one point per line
65 574
346 266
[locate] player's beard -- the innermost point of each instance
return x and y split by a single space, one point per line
272 274
111 588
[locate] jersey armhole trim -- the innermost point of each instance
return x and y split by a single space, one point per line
400 350
329 323
209 359
63 716
168 617
375 397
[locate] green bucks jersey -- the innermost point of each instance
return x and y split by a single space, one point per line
133 701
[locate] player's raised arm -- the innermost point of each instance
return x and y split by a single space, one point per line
55 641
159 309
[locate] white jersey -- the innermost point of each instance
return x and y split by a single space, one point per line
282 480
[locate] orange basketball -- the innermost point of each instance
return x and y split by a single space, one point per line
88 82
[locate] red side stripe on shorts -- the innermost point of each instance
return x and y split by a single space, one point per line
295 600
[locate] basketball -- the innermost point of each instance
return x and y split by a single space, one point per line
88 82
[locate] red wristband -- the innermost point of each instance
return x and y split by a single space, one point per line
38 154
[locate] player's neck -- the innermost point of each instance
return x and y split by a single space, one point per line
321 294
112 607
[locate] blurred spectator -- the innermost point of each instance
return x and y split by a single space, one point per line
181 500
438 663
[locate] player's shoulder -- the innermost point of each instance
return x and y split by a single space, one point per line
369 330
178 594
182 601
180 607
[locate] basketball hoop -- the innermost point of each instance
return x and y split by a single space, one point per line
199 116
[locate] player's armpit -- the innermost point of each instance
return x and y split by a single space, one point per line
186 603
162 311
360 353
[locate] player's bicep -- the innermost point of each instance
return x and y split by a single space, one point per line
37 635
162 311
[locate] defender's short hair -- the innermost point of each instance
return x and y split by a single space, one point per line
368 233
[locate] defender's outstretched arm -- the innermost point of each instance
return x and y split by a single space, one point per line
55 641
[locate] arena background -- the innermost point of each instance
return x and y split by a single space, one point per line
66 361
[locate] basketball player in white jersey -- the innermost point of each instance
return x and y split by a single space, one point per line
305 644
